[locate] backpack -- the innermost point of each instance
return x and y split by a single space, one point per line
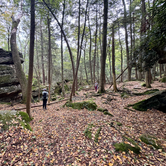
44 95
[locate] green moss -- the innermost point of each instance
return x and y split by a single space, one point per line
143 105
119 124
5 79
58 90
10 119
66 87
102 109
53 98
123 147
91 106
147 139
107 113
88 132
143 84
25 125
97 134
163 79
24 116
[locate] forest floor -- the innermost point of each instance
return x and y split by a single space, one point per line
58 136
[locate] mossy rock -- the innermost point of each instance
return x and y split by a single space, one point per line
123 147
143 84
11 118
53 98
163 79
157 101
58 90
66 87
102 109
107 113
89 105
24 116
150 140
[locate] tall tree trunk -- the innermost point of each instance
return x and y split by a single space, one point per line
31 57
136 73
126 40
63 14
16 59
78 37
42 51
109 50
95 52
49 59
78 62
38 69
85 62
113 61
121 54
64 35
90 49
104 54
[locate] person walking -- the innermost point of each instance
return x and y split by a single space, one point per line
45 97
96 86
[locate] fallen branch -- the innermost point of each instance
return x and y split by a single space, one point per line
119 75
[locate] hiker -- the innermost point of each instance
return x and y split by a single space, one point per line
96 86
45 97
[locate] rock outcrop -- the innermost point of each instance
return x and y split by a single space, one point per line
9 84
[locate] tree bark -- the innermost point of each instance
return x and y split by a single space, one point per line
113 61
126 40
31 57
16 59
90 49
42 51
65 37
63 14
49 59
121 54
104 54
78 62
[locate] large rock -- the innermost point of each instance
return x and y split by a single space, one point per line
9 84
6 57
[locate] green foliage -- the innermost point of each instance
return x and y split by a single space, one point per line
147 139
89 105
11 119
97 134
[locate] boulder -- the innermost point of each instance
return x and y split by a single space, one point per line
6 57
9 84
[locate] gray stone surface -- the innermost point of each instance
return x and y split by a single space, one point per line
6 57
9 84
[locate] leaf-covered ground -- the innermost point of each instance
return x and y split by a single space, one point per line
58 136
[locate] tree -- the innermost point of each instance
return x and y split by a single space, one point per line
113 61
104 46
16 59
126 40
31 57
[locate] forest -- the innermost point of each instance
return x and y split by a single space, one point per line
102 63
